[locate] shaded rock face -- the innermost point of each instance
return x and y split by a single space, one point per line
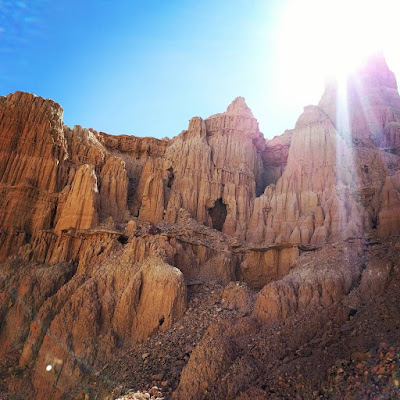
218 215
262 266
101 234
94 313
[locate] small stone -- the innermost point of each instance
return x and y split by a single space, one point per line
145 355
381 370
131 228
204 385
164 383
157 377
188 348
360 356
153 390
116 392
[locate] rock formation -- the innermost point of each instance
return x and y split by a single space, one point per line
102 237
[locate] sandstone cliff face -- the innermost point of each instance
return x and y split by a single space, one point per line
373 104
212 170
261 266
320 182
32 152
23 290
79 210
326 288
338 160
32 141
93 314
101 234
389 213
306 205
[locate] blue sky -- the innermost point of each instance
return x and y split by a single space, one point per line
146 67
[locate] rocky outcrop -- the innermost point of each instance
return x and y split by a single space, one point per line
389 214
237 296
275 156
311 285
264 265
305 206
293 326
336 167
101 234
367 105
32 141
32 154
217 168
79 209
210 360
24 288
324 179
94 313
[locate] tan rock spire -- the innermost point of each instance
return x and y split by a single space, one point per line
239 106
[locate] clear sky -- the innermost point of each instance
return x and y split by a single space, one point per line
146 67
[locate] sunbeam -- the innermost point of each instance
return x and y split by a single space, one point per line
319 39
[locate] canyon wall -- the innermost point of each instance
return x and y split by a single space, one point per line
100 235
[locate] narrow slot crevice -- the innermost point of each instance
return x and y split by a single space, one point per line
218 214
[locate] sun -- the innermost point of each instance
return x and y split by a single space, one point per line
320 39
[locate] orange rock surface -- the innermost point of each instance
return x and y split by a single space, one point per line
101 235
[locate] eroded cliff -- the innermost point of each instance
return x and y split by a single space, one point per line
102 237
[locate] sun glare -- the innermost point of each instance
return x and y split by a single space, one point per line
319 39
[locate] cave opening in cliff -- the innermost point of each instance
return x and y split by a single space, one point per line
123 239
218 214
264 179
168 185
171 177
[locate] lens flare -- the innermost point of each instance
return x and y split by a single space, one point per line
319 39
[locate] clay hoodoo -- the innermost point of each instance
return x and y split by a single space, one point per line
337 164
104 239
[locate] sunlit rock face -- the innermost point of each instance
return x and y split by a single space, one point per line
340 155
217 163
214 170
100 234
101 310
32 153
370 103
